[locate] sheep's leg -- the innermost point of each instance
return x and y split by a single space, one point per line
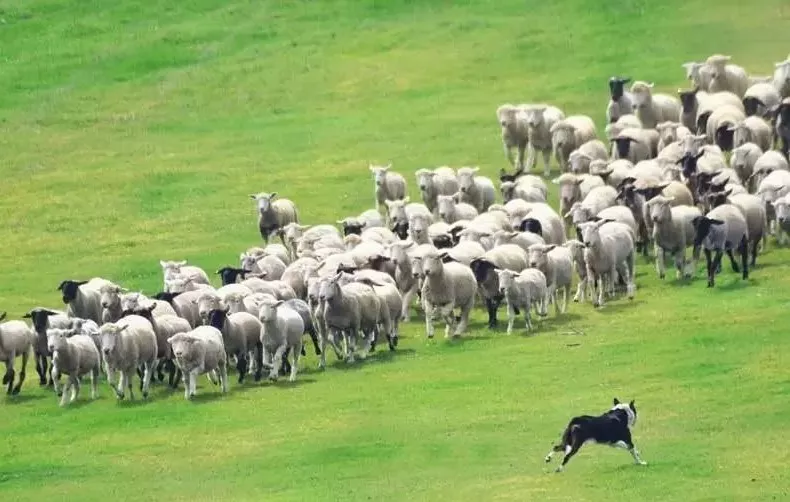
18 387
429 309
187 375
520 157
314 338
150 368
602 286
555 299
408 297
64 398
41 368
193 378
241 365
492 305
95 382
278 360
258 357
508 153
546 163
566 293
755 246
511 318
122 379
295 364
322 355
449 319
528 317
75 388
55 376
579 296
660 261
743 249
463 322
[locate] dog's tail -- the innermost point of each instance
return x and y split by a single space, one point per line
567 437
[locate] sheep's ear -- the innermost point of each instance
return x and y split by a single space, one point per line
727 193
151 307
163 263
2 315
272 195
123 328
253 196
279 302
387 167
650 85
550 247
371 167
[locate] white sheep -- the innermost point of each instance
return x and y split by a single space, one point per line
131 302
165 326
527 187
179 269
743 158
760 99
574 188
597 199
726 76
400 211
348 310
184 304
110 302
447 286
673 233
569 134
16 339
295 275
389 185
127 345
269 266
699 74
524 290
579 159
577 248
670 132
722 229
274 215
294 234
612 173
515 133
718 128
781 78
556 264
197 352
621 102
476 190
781 209
654 108
620 214
707 103
451 208
609 245
540 119
390 301
432 183
752 130
74 355
83 298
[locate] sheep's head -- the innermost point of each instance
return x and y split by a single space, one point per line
351 226
292 232
166 296
424 180
539 255
330 289
131 302
590 232
623 146
725 136
668 131
418 227
506 279
717 198
704 226
443 241
248 262
40 318
111 296
643 93
691 145
649 192
688 99
782 209
110 334
600 167
445 204
183 345
401 229
377 261
660 208
379 174
616 87
689 164
70 289
504 176
531 225
506 115
562 134
466 179
579 214
216 317
172 267
717 64
416 266
432 265
693 71
397 209
268 310
57 339
506 188
482 268
579 162
231 275
263 201
534 116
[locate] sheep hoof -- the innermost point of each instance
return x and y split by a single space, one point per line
191 395
16 390
145 395
60 393
7 377
119 395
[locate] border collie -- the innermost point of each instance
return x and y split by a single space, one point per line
612 428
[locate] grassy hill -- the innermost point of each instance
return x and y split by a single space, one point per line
134 131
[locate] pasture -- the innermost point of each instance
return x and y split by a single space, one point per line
134 131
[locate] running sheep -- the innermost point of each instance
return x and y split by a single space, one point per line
74 355
447 286
569 134
722 229
556 265
609 245
673 233
752 130
42 320
579 160
451 209
16 339
726 76
506 256
760 99
540 121
127 345
621 102
476 190
274 215
525 290
389 185
164 327
179 269
83 298
432 184
197 352
653 108
515 133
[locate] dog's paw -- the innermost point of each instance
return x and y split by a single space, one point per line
642 462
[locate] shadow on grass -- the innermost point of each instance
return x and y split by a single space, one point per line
553 321
619 304
25 398
283 383
737 284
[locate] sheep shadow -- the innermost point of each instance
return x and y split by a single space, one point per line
136 403
737 284
614 306
553 321
207 396
284 383
24 398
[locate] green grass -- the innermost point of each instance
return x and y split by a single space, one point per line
133 131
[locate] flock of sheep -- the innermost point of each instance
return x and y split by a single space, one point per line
664 181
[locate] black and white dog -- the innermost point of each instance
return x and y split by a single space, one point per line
612 428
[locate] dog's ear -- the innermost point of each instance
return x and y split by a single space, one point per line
632 404
616 401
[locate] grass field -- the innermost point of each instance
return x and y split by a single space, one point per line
134 131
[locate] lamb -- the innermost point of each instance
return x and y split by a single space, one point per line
401 211
274 215
612 173
760 99
540 120
506 256
579 159
673 232
184 304
652 109
175 269
126 345
74 355
783 126
636 144
670 132
476 190
271 267
43 319
16 339
164 327
447 286
577 254
523 291
451 209
753 209
727 77
525 191
83 298
574 188
752 130
349 309
281 332
699 74
621 102
200 351
515 133
541 219
368 219
440 181
556 265
743 158
389 185
240 335
569 134
781 207
608 245
723 228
